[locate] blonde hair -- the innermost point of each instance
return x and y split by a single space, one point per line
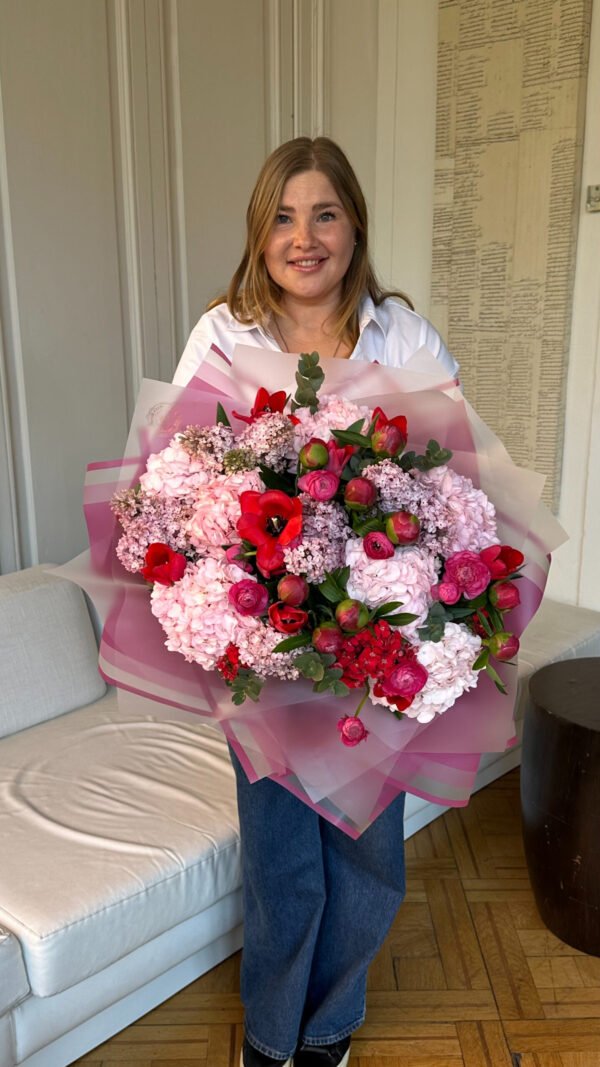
252 295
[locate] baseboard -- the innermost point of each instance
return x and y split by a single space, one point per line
420 813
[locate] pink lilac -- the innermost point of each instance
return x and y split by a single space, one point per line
333 413
209 443
147 518
270 439
175 472
325 529
200 622
217 508
400 491
470 522
406 576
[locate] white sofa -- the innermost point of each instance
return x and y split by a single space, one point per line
119 850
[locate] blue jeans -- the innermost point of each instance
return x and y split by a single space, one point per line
317 908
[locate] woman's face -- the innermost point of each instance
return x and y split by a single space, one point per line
311 242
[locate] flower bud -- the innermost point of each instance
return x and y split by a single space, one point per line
352 615
292 590
388 441
402 528
352 730
377 545
328 638
503 646
504 595
446 592
360 494
314 455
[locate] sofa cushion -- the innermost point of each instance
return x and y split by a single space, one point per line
13 979
49 662
116 824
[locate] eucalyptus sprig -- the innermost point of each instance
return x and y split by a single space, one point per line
245 684
435 456
309 378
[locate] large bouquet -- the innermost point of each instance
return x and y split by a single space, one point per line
313 544
301 553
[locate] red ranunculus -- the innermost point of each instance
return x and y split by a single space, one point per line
163 565
264 403
502 560
377 545
271 521
286 619
406 680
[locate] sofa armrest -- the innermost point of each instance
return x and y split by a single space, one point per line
14 985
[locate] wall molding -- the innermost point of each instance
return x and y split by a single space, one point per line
174 131
296 75
18 528
125 192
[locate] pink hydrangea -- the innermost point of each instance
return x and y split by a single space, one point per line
449 666
406 576
333 413
175 472
217 508
470 518
200 622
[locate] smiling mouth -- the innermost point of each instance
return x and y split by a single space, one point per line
306 264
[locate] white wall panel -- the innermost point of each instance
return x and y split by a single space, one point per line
60 190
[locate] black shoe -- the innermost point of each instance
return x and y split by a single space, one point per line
336 1055
251 1057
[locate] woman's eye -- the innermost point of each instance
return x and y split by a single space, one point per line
326 216
281 218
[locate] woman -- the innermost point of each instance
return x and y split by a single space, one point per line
317 904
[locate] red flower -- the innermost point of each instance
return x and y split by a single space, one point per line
502 560
229 663
376 653
388 441
271 521
163 565
352 730
286 619
338 456
264 403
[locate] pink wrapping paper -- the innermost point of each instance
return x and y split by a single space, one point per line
291 734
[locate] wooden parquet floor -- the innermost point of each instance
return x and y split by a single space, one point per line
468 977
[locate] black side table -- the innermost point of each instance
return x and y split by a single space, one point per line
560 799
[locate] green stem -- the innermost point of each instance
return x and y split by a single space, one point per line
362 703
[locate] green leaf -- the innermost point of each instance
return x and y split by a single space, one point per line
481 660
384 608
273 480
222 416
496 678
340 689
365 526
350 437
296 641
402 619
485 624
331 591
355 427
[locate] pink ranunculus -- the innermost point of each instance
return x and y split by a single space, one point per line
352 730
377 545
406 680
320 485
469 572
248 597
446 592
